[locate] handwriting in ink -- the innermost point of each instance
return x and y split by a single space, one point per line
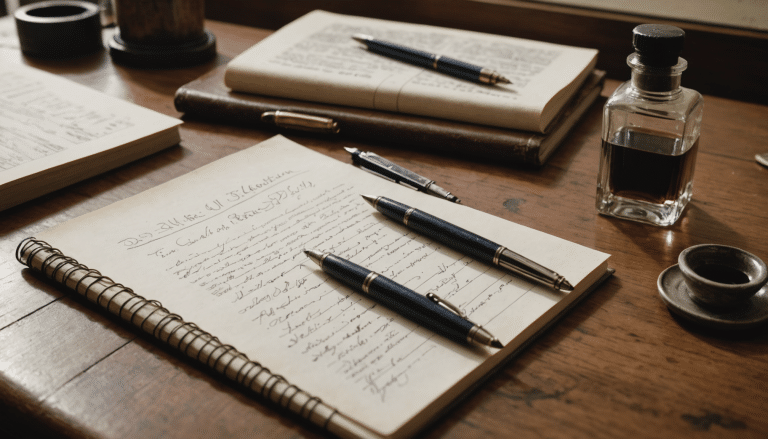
259 270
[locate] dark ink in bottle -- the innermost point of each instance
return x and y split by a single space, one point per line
650 135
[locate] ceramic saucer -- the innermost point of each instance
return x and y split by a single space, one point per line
674 292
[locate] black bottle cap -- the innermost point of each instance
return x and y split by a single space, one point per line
658 45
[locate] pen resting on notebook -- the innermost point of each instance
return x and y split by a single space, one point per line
428 311
467 242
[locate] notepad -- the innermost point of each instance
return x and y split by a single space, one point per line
219 252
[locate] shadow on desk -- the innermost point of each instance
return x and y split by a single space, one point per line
746 343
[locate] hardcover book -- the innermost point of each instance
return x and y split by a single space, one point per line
208 98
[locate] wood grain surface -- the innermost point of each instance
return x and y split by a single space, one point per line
160 21
619 365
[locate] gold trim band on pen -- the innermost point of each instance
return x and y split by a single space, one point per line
407 214
368 279
472 332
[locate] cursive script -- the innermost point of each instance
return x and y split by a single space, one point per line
36 121
254 261
223 247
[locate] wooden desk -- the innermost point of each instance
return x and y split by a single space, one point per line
619 365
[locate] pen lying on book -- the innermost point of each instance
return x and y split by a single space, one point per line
467 242
300 121
443 64
384 168
431 311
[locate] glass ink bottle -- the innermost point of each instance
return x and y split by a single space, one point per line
650 133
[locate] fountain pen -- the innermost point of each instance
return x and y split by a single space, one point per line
467 242
442 64
429 311
391 171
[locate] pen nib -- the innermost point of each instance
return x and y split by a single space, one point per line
565 286
371 200
315 256
360 38
479 335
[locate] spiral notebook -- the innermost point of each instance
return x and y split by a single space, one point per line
211 264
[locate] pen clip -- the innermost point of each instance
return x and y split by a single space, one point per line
447 305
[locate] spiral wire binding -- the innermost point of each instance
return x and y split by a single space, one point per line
172 330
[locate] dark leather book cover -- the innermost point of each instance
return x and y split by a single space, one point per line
207 98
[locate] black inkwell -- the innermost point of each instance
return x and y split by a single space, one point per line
59 29
650 133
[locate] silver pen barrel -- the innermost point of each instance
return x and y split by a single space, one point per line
525 267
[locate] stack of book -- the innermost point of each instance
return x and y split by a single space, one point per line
314 67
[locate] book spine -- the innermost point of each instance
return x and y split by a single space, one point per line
152 318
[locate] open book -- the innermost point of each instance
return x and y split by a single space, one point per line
315 59
54 132
222 247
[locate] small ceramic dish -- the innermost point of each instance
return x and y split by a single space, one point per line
720 276
750 313
717 286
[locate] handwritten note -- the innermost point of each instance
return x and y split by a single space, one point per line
223 247
37 121
55 132
254 263
332 51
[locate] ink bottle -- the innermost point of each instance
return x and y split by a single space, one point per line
650 133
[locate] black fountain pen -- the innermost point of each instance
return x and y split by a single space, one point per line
391 171
442 64
467 242
428 311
